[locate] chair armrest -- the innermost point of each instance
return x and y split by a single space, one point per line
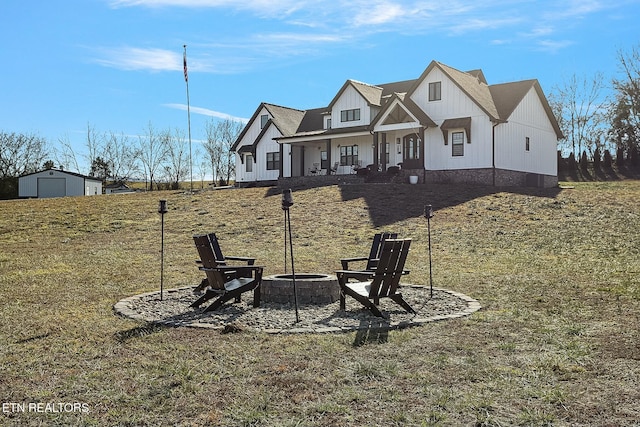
354 274
237 270
364 258
345 261
248 260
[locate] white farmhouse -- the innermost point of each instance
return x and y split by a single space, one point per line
57 183
444 126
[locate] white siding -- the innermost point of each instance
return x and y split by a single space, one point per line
453 104
350 99
266 144
528 120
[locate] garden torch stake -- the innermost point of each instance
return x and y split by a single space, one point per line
287 201
162 209
428 213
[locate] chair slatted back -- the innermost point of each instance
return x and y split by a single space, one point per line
389 270
215 246
376 248
209 260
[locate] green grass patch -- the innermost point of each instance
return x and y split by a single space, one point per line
556 343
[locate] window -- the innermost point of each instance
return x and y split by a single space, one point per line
457 143
248 163
526 144
435 91
263 120
349 155
273 161
386 153
324 160
328 126
350 115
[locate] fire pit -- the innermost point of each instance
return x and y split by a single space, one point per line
312 288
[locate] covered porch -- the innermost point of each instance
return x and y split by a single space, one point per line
347 153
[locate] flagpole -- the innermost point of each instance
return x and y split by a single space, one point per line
186 80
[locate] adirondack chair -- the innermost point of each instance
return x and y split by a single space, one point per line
223 280
374 253
383 282
211 255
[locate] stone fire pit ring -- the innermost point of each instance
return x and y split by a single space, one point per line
312 288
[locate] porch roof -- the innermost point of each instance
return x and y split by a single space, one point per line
317 135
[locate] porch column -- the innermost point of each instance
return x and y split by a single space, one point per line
423 148
376 155
329 162
383 149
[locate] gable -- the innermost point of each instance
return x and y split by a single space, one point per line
509 96
285 119
472 85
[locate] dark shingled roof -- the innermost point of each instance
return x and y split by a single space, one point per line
497 101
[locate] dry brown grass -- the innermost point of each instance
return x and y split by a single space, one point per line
556 343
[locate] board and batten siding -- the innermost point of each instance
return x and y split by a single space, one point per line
530 120
454 103
266 144
350 99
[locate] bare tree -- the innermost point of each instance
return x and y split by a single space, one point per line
625 115
121 156
177 165
65 155
581 107
151 151
221 136
21 153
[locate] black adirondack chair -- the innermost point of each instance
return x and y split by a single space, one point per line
211 255
225 281
383 282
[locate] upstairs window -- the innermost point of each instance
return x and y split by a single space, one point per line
350 115
435 91
263 120
327 124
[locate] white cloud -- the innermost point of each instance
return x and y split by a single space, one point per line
207 112
133 58
553 46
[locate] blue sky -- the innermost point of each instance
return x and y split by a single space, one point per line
117 64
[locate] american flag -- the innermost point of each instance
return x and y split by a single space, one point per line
184 60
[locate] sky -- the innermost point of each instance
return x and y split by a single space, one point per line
117 65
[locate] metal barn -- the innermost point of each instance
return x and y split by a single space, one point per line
57 183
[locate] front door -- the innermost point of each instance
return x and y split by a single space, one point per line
411 156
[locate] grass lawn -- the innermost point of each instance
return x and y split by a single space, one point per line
557 341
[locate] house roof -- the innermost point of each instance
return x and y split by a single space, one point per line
471 84
372 94
409 105
509 95
285 119
497 101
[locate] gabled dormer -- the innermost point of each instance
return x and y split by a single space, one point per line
355 104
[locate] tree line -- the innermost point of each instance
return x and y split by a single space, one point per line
600 119
161 158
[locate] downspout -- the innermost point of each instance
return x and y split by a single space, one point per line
493 151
